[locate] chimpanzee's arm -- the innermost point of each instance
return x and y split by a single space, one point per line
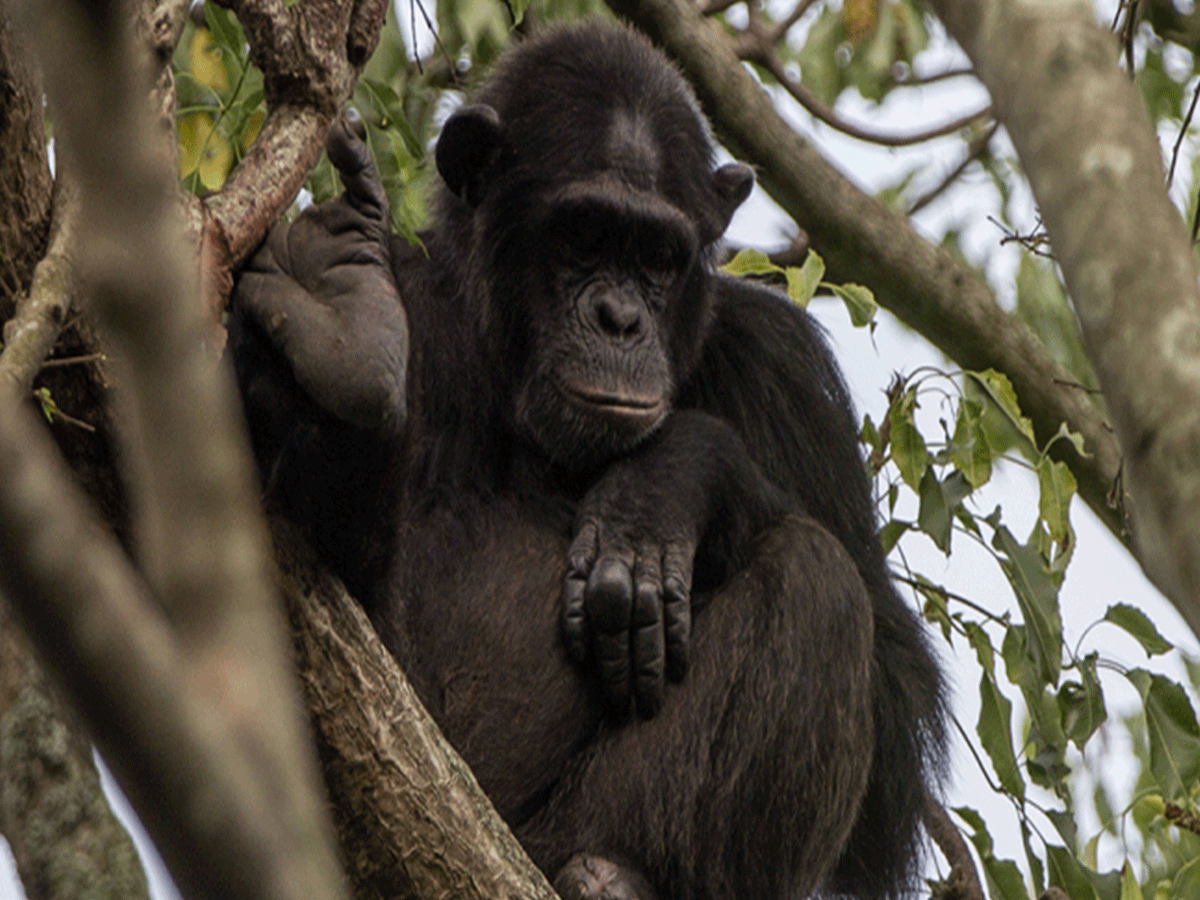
762 427
319 342
630 568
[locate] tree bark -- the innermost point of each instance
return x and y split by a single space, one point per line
1093 161
66 842
413 821
24 174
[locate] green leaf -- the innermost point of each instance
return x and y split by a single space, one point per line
1068 874
1135 622
908 447
1003 877
1042 305
1130 889
859 300
1000 391
1036 871
1172 732
517 8
1187 880
890 533
869 434
1081 703
802 283
995 717
751 262
1056 486
938 500
1037 595
970 451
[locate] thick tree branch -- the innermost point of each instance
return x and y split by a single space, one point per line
212 680
65 839
413 820
24 173
1093 161
861 240
310 54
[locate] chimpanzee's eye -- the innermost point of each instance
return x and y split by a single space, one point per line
586 233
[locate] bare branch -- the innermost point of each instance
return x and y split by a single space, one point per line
819 110
219 688
974 150
65 840
30 335
964 879
1087 145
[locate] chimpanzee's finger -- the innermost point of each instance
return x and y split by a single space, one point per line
646 637
349 154
580 559
609 605
677 607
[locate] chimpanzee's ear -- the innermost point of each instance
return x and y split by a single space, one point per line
470 144
733 183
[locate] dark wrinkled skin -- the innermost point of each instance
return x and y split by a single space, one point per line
604 506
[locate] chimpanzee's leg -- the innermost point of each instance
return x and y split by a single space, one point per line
747 782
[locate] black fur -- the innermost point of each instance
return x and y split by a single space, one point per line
573 474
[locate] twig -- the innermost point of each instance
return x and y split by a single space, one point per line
1127 38
963 876
779 31
1033 242
1187 120
74 360
821 111
1180 817
30 335
974 150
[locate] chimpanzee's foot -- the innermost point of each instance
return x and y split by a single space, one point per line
587 877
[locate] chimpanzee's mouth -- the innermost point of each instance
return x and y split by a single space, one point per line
637 405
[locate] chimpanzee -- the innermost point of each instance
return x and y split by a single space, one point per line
604 504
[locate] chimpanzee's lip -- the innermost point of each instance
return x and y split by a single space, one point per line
626 404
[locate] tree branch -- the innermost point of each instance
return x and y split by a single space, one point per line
413 820
236 810
861 240
63 835
30 335
1094 164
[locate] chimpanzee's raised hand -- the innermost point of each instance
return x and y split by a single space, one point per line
321 290
627 601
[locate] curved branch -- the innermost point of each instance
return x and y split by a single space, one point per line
819 110
963 874
30 335
1094 164
861 240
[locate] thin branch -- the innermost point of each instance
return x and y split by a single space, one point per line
30 335
819 110
922 80
963 874
779 31
974 150
1187 120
